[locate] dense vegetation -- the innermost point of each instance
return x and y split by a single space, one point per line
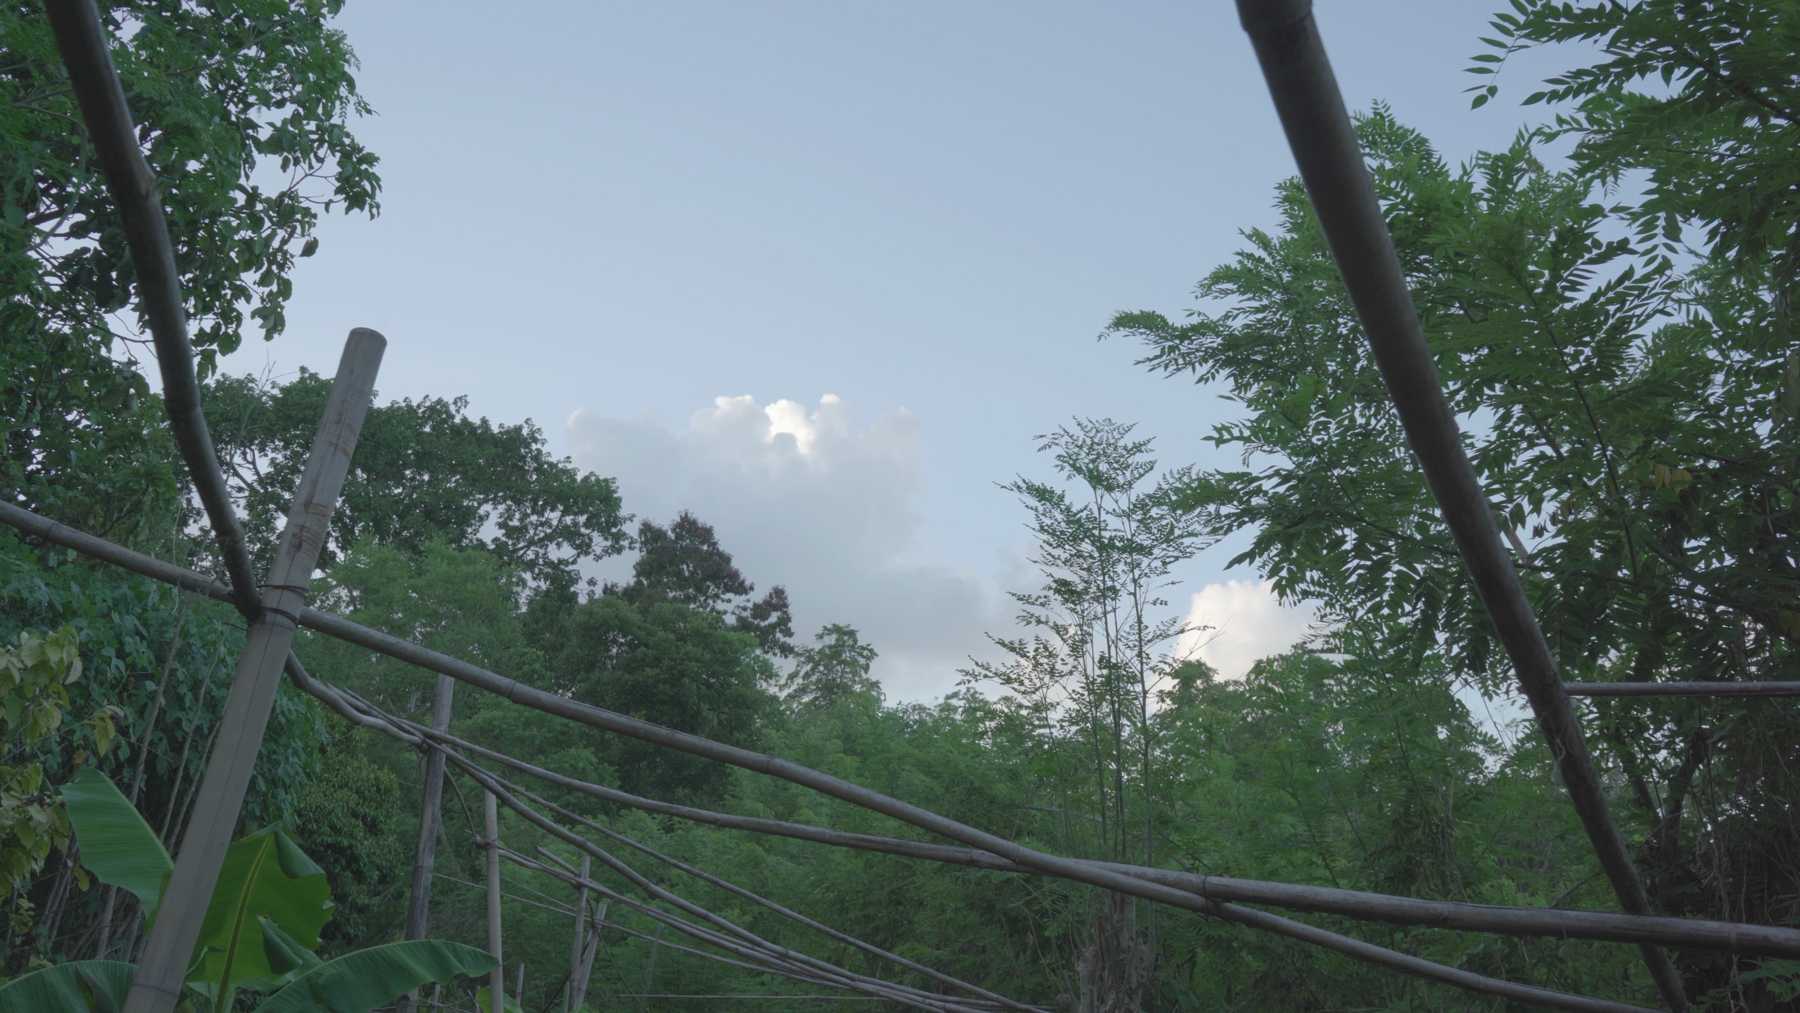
1611 299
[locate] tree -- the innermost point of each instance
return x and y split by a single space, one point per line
684 564
836 669
224 95
1105 552
1624 415
683 667
423 471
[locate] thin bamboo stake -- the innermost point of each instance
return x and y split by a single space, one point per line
578 942
591 950
156 986
1734 689
497 977
1733 937
418 907
1325 146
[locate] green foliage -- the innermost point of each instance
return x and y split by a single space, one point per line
348 820
116 845
369 978
1627 402
97 985
423 472
35 673
223 98
671 664
835 670
261 924
215 93
265 877
684 564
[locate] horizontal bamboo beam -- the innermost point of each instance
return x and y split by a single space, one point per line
1734 689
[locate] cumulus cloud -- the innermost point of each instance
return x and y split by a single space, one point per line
1247 623
804 496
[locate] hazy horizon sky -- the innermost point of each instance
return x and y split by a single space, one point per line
820 272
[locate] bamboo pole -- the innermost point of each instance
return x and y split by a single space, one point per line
490 813
1731 689
571 1003
157 984
83 45
418 908
592 949
1326 149
1733 937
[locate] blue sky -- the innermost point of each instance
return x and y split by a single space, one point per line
608 217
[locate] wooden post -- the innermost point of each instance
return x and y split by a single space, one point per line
497 977
418 910
519 985
156 987
571 1002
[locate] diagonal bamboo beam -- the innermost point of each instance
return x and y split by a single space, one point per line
156 986
1306 95
82 43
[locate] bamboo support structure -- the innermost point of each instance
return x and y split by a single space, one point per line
157 984
1325 147
1728 936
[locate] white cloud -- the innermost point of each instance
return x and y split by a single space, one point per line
1247 623
805 497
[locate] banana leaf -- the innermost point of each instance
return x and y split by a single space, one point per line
97 986
117 846
358 982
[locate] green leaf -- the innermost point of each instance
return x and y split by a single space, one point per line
368 978
117 846
99 986
285 953
484 1003
265 875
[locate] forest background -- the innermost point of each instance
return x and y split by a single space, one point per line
1610 299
